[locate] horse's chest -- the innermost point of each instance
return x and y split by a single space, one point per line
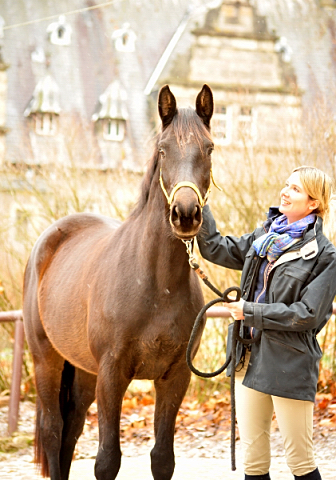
149 331
157 347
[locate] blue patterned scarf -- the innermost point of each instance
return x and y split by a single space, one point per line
281 236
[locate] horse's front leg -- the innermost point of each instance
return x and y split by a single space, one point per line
111 387
170 391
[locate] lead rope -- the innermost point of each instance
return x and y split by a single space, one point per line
223 297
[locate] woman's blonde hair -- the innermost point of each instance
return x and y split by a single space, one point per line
318 186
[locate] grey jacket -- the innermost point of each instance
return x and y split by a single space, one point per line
300 290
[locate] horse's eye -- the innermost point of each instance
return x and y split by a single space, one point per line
210 150
162 152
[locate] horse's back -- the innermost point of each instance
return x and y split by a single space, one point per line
64 229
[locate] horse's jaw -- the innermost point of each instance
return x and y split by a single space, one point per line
184 236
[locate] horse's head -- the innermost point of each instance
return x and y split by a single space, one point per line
185 148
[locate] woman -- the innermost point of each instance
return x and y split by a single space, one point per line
288 285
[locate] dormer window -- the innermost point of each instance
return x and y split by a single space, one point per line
114 129
44 106
60 32
284 49
124 39
45 123
112 113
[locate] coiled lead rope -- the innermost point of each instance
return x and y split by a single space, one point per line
223 297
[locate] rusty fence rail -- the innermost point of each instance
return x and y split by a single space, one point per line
14 399
16 316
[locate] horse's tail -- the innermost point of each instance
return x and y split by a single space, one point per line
40 457
68 376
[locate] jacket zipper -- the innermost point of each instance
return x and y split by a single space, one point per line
266 276
267 272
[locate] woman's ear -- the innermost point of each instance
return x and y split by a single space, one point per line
314 205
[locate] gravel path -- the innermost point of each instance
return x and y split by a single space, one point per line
200 455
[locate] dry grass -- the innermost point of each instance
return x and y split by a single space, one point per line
251 178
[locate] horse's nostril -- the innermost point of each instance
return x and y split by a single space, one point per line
175 215
198 214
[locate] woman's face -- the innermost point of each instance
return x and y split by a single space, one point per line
295 201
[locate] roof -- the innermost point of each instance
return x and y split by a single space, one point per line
85 69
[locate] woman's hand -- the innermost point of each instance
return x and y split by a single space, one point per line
236 309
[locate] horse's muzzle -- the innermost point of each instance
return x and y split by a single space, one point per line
185 214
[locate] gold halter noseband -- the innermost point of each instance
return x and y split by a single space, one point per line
202 201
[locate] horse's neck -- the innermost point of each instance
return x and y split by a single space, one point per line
158 247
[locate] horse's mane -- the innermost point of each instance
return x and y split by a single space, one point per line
185 123
147 182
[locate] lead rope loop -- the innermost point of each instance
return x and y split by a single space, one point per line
223 297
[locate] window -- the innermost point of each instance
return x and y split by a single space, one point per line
246 124
232 13
114 129
45 123
60 32
221 125
21 223
124 39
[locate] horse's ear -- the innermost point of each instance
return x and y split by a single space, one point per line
205 105
167 105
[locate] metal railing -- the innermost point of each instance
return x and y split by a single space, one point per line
16 316
14 399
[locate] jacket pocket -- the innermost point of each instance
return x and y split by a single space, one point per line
287 283
286 340
296 272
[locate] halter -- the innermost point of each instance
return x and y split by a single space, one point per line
202 201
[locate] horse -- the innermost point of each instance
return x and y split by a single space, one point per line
106 302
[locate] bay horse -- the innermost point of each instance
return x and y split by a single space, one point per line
106 302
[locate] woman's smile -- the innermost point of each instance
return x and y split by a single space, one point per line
295 202
284 202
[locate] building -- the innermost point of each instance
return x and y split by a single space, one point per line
79 85
76 80
250 73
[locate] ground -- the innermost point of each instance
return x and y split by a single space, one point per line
202 442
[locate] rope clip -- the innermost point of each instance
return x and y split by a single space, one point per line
189 248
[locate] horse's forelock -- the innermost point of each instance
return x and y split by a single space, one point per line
187 123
